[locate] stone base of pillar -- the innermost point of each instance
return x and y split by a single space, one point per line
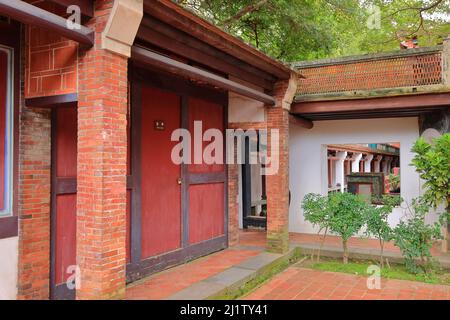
278 241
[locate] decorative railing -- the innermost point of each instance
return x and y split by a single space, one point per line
406 68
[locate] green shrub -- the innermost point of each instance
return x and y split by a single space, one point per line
432 162
342 214
376 221
348 217
394 182
415 238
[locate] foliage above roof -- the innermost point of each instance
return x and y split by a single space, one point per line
293 30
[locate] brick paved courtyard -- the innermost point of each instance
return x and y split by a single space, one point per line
166 283
297 283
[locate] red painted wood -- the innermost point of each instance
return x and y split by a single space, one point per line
211 115
66 166
66 142
206 212
3 92
128 239
129 144
66 209
160 192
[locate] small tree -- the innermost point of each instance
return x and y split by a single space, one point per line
377 222
348 217
315 209
433 165
415 238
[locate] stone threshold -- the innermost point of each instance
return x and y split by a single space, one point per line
364 254
235 281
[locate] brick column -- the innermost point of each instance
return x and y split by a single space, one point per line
277 185
33 197
233 204
34 204
102 161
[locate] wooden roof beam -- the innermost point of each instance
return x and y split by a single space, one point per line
29 14
86 6
158 61
299 121
397 103
176 45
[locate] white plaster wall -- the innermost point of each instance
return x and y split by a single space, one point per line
8 268
308 167
243 109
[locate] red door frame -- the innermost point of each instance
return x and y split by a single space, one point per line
10 37
137 267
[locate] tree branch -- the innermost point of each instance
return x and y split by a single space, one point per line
248 9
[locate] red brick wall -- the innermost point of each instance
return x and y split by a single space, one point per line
102 165
51 60
277 186
33 200
233 204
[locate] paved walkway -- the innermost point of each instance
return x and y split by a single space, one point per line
166 283
297 283
293 283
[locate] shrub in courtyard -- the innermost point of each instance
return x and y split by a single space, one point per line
315 209
342 214
415 237
348 217
432 162
394 182
376 220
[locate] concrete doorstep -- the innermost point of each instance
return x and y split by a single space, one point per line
231 283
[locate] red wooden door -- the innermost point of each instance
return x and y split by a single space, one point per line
177 211
64 172
160 188
207 182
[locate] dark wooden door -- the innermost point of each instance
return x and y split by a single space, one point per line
63 206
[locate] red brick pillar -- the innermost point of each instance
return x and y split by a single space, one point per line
277 186
33 194
233 204
34 204
102 161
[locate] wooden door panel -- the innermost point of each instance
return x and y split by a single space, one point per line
66 208
206 198
66 142
160 191
64 199
128 238
211 116
206 212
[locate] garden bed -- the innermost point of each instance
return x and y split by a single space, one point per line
394 271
